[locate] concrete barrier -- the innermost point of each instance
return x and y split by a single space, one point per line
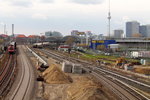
67 67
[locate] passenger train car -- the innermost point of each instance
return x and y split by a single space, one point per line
12 48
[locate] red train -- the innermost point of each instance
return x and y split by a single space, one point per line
12 48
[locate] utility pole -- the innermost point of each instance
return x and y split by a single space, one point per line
109 18
13 31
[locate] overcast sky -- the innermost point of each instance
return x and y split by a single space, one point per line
38 16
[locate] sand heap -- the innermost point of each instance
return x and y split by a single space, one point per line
85 89
142 70
54 75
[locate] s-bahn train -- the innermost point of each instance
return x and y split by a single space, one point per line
12 48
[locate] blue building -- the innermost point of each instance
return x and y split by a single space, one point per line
104 43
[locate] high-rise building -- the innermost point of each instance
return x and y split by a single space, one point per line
145 30
118 33
132 28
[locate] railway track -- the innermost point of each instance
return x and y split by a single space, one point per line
24 89
97 72
121 87
7 75
116 88
141 86
4 63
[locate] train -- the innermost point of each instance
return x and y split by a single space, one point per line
12 48
44 44
37 45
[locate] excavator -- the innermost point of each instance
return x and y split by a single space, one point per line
120 62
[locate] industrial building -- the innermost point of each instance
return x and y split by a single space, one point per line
125 44
134 43
102 43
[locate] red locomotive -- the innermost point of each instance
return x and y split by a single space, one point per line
12 48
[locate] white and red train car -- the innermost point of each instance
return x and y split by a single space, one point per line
12 48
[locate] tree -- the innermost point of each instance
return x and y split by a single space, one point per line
1 41
70 41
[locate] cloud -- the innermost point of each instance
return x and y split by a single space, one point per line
39 16
1 23
21 3
88 1
47 1
125 18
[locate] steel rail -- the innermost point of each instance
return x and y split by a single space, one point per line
4 76
116 89
9 79
126 87
5 64
7 76
126 78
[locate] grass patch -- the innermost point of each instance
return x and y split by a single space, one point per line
99 56
104 58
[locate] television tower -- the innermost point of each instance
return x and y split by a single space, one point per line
109 18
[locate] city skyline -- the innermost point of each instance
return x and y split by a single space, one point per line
37 16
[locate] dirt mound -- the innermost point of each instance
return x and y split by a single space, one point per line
85 89
142 70
54 75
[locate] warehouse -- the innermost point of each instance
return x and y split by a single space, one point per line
103 44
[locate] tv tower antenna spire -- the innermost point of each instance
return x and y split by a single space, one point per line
109 18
